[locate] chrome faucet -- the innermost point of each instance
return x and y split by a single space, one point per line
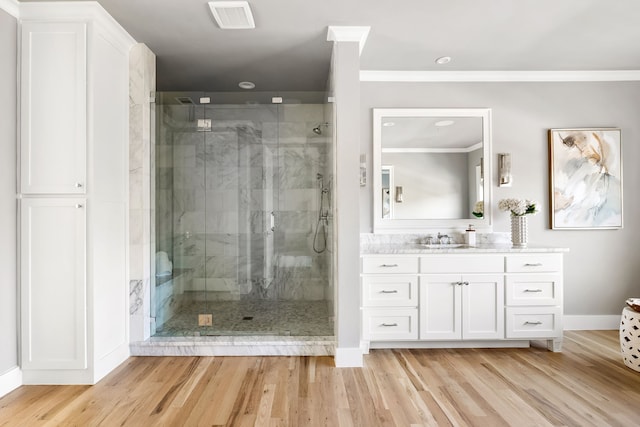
443 239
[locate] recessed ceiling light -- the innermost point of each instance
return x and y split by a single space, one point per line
443 60
388 124
247 85
442 123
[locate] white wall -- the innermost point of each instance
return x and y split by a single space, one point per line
345 75
8 286
602 267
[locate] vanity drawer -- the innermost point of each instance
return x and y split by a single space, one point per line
390 324
533 289
389 265
534 263
462 264
533 322
389 291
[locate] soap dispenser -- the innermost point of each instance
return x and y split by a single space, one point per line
470 236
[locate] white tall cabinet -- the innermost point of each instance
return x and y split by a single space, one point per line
74 124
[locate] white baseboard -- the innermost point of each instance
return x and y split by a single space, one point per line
348 357
591 323
10 381
110 362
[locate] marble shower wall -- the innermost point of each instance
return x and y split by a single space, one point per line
142 83
216 191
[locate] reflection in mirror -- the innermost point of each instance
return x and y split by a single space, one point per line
430 166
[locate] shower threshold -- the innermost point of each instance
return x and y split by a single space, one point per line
238 345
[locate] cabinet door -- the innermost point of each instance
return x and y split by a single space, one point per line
440 316
53 283
53 99
482 307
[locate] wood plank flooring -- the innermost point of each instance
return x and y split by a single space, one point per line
585 385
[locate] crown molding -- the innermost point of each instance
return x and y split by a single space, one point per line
337 33
499 76
78 11
12 7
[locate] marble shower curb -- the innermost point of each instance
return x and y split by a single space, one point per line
235 346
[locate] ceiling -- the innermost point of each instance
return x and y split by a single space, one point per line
288 50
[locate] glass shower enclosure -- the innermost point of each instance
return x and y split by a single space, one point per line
243 215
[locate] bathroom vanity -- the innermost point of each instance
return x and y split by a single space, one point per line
488 296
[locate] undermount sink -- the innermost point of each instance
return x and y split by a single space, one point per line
443 245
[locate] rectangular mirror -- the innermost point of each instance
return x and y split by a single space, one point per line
431 167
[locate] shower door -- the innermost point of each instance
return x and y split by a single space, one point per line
240 247
240 166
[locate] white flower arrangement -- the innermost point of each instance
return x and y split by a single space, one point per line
518 207
478 209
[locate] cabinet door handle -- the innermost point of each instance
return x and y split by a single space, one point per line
78 185
388 325
533 323
78 206
465 283
395 291
461 283
533 290
535 264
388 265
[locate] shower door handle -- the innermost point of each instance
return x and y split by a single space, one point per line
272 221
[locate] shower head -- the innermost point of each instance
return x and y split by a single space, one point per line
318 129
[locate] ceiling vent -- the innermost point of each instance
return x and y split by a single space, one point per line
232 15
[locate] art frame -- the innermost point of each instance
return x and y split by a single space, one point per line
585 179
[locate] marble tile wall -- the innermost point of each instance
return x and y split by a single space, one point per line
142 82
216 191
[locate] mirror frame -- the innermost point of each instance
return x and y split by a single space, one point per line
382 225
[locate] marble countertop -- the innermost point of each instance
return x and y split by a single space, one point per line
416 248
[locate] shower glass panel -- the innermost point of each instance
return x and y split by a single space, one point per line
243 215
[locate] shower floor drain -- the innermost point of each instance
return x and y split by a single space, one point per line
247 318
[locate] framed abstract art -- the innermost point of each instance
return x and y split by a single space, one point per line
585 168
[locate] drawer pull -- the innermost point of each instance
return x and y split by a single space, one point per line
533 323
395 291
388 265
389 325
536 264
533 290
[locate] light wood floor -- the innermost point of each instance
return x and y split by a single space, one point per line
585 385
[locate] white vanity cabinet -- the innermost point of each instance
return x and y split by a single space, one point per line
465 298
73 197
534 297
457 307
461 297
390 298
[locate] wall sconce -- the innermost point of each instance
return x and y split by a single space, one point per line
399 194
504 170
363 170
